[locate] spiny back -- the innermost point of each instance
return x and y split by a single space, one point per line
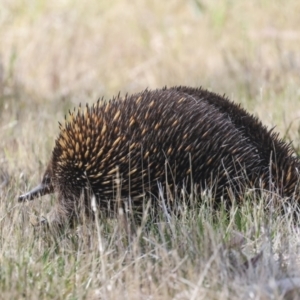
167 135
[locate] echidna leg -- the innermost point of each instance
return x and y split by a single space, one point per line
61 215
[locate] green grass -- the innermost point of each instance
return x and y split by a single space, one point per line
54 55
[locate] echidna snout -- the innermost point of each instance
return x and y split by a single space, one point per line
164 136
44 188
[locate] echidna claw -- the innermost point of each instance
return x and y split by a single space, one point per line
38 221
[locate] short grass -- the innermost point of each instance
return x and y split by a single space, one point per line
56 54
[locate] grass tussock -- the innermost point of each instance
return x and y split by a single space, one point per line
54 55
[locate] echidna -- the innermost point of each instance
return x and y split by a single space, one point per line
171 135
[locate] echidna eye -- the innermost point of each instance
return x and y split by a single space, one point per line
47 178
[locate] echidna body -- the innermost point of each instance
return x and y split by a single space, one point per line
164 136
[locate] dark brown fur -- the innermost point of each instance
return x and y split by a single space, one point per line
168 135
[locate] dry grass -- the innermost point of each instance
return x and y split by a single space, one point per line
55 54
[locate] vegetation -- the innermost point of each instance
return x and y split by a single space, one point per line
56 54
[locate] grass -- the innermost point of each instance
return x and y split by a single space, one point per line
54 55
201 254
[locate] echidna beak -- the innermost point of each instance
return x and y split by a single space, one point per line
40 190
